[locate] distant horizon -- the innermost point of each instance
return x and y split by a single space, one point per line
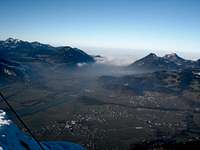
119 57
116 51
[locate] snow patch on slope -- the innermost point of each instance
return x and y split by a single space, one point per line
12 138
3 121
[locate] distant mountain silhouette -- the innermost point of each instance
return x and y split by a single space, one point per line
174 58
23 51
17 58
152 62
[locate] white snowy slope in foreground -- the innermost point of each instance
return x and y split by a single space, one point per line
12 138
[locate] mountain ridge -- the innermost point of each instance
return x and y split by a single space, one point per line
21 51
172 61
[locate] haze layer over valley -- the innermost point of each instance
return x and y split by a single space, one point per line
63 93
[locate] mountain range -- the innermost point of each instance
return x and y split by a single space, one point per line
17 57
152 62
23 51
161 96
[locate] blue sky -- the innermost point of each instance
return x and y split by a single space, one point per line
106 26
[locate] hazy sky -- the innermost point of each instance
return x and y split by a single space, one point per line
112 26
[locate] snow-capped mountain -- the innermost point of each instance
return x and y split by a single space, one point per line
12 138
20 59
172 61
174 58
23 51
153 62
179 61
